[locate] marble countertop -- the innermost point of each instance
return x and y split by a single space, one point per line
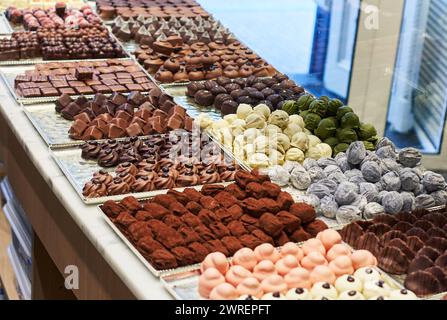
127 266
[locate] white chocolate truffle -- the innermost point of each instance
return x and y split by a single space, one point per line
325 150
297 119
282 142
279 118
251 134
271 130
300 140
348 283
403 294
367 274
313 153
324 289
298 294
263 144
292 129
263 110
351 295
273 296
243 111
258 160
276 157
295 154
376 288
237 127
203 121
230 118
254 120
313 141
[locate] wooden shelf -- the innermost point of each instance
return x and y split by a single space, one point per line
6 271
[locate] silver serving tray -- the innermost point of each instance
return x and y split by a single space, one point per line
79 171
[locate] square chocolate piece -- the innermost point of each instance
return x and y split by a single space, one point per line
69 91
31 93
84 73
109 82
101 88
119 88
60 84
49 92
124 75
134 87
84 90
76 83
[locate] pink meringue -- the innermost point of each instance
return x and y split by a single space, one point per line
298 278
264 269
313 245
274 283
267 252
237 274
322 274
250 286
215 260
284 265
208 280
363 258
341 265
338 250
329 238
312 260
246 258
292 249
224 291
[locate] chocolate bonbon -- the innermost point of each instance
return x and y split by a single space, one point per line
195 235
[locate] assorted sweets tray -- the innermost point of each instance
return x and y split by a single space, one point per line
109 160
178 229
45 82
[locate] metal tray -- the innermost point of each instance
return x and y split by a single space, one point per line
5 27
79 171
10 72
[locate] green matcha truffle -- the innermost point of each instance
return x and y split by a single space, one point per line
350 121
319 107
369 145
346 135
326 128
291 107
304 102
312 120
342 111
332 141
366 131
333 107
341 147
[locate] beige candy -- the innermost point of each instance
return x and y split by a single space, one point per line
264 144
295 154
258 160
279 118
276 157
313 153
272 130
300 140
313 141
296 119
251 134
203 121
283 142
292 129
230 118
243 111
239 147
263 110
254 120
325 150
237 127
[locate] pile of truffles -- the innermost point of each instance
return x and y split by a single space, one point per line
262 138
147 30
321 269
414 244
361 184
90 42
174 61
182 228
59 16
226 94
117 116
152 171
332 122
165 9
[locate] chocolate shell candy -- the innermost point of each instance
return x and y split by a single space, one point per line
390 235
417 232
398 243
437 232
369 241
429 252
424 224
420 263
441 275
438 219
351 233
379 229
437 243
402 226
422 283
393 260
414 243
441 261
420 212
408 217
364 224
386 219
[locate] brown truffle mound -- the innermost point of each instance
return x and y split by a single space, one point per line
393 260
271 224
281 240
305 212
284 200
300 235
290 222
315 227
225 199
272 190
163 259
422 283
212 189
236 191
